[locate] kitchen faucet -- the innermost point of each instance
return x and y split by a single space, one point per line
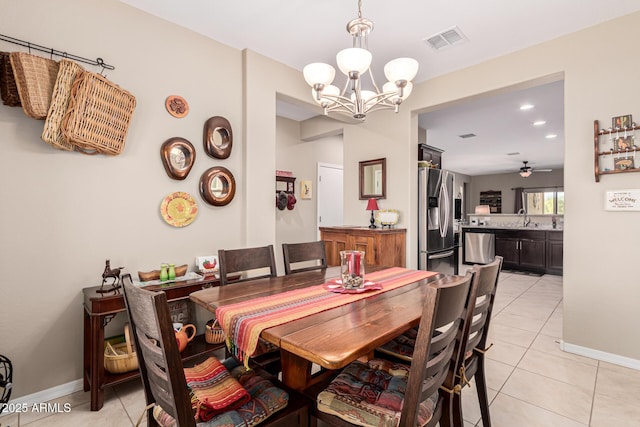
525 219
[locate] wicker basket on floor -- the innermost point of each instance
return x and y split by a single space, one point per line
98 117
52 132
35 77
214 333
119 358
8 88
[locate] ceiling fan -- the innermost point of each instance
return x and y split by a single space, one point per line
526 171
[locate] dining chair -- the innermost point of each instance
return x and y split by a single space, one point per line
296 253
471 362
473 343
383 392
169 399
244 260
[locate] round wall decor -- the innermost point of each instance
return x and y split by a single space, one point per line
217 186
179 209
177 106
218 137
178 156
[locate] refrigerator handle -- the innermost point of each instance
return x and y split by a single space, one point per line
443 255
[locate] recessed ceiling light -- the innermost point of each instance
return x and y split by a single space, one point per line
526 106
551 136
539 123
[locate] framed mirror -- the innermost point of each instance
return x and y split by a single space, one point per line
218 137
373 179
178 156
217 186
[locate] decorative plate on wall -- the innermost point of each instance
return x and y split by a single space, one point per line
178 156
179 209
218 137
177 106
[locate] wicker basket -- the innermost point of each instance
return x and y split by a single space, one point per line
52 133
35 77
214 333
98 116
8 88
121 357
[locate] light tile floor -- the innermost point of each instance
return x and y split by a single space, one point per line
532 383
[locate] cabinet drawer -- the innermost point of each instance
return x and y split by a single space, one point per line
555 235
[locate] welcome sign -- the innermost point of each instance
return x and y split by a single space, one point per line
622 200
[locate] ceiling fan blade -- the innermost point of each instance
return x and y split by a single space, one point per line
542 170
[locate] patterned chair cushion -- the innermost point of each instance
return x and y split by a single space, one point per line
213 389
371 394
265 400
401 346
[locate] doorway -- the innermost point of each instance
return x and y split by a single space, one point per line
329 185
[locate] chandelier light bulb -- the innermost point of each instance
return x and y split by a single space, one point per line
319 73
401 69
324 101
354 59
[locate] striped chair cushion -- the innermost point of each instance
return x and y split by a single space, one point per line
371 394
265 400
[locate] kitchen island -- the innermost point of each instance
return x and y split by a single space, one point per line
531 248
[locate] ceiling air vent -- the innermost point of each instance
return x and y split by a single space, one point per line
446 38
467 135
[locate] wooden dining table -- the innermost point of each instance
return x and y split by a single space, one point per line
332 338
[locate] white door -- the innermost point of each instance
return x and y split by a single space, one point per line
329 195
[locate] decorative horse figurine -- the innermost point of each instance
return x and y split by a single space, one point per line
110 274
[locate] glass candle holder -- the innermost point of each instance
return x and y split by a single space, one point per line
352 269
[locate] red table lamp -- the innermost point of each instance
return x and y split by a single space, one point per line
372 205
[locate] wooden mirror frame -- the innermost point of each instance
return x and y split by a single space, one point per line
187 149
363 193
228 186
222 127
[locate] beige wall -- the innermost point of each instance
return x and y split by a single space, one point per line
301 158
65 213
506 182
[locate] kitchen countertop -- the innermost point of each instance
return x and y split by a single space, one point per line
513 227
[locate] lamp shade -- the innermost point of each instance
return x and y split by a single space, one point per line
372 204
483 209
319 73
401 69
353 59
525 174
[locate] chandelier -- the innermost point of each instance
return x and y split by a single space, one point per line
355 62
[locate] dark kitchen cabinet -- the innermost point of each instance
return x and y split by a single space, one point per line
522 249
554 252
428 153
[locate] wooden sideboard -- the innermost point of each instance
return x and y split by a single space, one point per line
381 246
100 309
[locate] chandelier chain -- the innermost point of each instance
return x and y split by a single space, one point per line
359 8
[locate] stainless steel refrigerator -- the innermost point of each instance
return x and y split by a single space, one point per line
436 249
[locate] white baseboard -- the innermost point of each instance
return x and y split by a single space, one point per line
50 393
615 359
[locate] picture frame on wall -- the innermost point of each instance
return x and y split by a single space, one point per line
624 143
621 122
623 163
305 190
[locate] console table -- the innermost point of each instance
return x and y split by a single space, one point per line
100 309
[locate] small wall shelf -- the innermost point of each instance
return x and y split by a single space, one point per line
290 184
622 160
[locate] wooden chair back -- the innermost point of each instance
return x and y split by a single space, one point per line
300 252
159 360
474 338
247 259
436 353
